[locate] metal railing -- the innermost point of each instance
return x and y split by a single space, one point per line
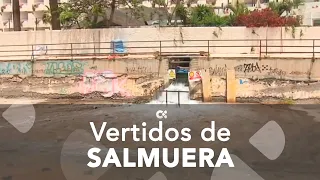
259 47
168 91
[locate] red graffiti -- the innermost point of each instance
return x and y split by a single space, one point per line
113 56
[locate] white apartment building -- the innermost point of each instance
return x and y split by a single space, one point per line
310 12
31 13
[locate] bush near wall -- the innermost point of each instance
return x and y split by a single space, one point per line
265 17
203 15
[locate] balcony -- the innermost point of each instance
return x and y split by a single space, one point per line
24 7
6 7
41 25
25 24
39 7
7 24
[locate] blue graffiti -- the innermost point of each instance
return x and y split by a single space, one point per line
243 81
12 68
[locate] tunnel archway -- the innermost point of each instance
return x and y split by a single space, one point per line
182 67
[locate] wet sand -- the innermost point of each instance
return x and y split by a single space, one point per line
37 153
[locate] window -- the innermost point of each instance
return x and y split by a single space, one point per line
316 22
5 2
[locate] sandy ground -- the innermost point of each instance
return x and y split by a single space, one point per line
21 101
41 154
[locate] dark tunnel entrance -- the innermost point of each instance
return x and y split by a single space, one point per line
181 66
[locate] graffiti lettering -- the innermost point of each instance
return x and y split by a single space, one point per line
136 69
40 50
277 72
243 81
94 67
254 68
218 71
239 68
12 68
64 91
39 71
298 73
64 67
251 68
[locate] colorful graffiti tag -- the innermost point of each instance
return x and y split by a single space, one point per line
12 68
103 81
69 67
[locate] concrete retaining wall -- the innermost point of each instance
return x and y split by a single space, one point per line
179 40
272 77
302 69
67 67
143 76
128 77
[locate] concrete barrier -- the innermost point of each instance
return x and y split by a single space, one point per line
128 77
142 76
295 78
225 40
299 69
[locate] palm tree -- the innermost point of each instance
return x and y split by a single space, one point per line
16 15
113 9
182 13
46 17
55 22
237 10
297 3
281 7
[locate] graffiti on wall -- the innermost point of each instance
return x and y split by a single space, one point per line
69 67
243 81
298 73
64 91
218 71
256 68
12 68
277 72
249 68
259 68
134 70
103 81
40 50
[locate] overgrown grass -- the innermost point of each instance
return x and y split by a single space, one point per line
288 101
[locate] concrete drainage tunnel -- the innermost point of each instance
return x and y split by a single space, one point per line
177 92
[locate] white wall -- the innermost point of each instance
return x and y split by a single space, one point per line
217 37
309 11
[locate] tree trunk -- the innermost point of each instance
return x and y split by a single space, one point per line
113 8
175 14
16 15
55 22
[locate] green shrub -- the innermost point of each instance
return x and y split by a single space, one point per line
203 15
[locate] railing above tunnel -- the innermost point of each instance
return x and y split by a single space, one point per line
256 47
